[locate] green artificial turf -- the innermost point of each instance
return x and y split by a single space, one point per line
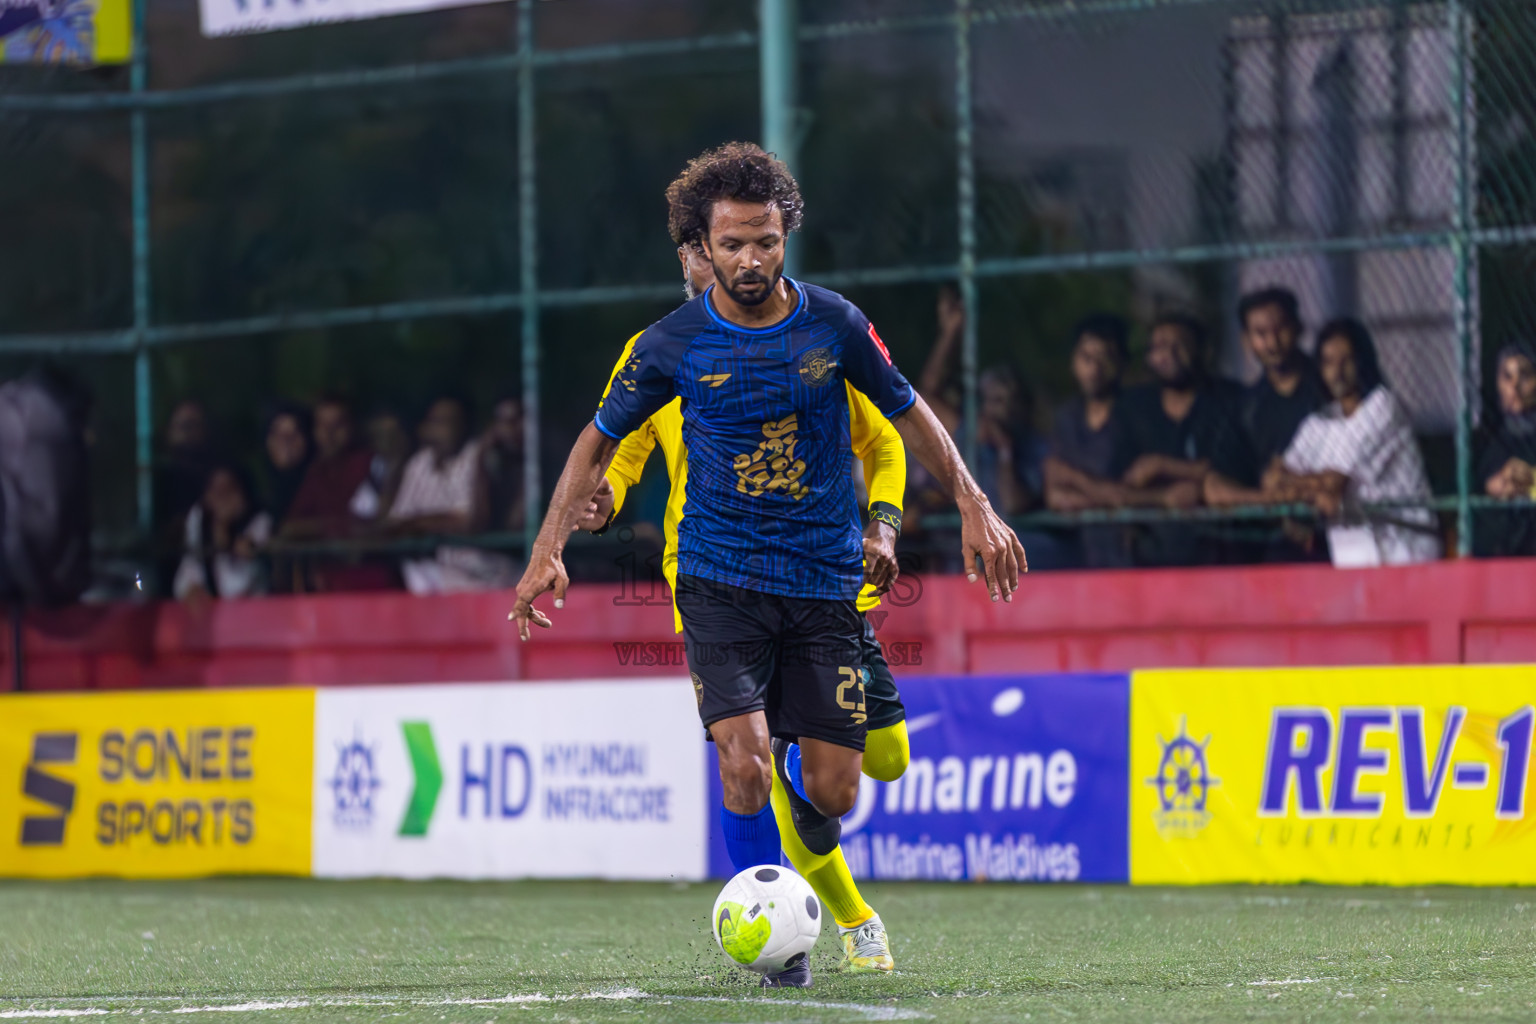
293 952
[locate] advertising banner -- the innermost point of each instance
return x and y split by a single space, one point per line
156 785
1012 778
527 780
229 17
65 31
1397 776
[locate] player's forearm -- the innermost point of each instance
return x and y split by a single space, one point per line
583 471
926 438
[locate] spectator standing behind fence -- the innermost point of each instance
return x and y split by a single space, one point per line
324 508
1090 446
1356 450
501 462
1184 426
440 494
1506 466
225 531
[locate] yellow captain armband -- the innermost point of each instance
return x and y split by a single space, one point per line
885 512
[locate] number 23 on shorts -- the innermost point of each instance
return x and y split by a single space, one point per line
853 679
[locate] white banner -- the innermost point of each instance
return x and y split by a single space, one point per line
231 17
525 780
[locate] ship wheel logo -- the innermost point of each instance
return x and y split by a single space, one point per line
1183 783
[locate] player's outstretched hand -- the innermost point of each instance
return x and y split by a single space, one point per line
880 568
984 535
595 515
545 572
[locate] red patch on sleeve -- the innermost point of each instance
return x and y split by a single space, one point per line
874 337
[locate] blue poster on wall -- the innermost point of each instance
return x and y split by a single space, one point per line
1012 778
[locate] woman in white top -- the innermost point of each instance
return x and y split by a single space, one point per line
1360 449
224 533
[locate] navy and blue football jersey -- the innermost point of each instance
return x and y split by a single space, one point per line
770 504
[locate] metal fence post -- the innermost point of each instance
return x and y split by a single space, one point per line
778 74
528 267
1463 253
143 385
965 199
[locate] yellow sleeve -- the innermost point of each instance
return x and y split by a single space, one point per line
629 460
878 446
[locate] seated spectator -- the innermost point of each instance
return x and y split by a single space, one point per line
1358 449
1290 389
224 532
286 451
181 474
438 495
1184 427
390 441
937 385
324 508
1506 465
1090 447
501 462
185 462
1009 454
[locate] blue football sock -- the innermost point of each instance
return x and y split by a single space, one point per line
750 839
792 769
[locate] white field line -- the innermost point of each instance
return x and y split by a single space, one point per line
128 1007
1294 981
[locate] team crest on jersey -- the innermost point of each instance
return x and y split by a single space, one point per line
816 367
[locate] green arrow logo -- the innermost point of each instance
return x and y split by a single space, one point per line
429 778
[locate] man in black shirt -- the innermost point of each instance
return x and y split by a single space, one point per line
1090 447
1290 388
1186 427
1288 391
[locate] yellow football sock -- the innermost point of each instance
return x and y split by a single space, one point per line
886 752
828 875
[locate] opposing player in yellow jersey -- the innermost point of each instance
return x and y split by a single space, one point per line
810 839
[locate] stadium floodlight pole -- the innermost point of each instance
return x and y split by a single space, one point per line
965 203
143 385
528 267
1464 255
777 66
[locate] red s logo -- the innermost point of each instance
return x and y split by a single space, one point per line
874 337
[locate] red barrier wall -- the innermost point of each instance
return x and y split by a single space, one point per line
1291 615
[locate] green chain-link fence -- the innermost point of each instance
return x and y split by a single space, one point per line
471 198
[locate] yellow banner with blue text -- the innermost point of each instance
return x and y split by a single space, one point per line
78 32
1396 776
156 785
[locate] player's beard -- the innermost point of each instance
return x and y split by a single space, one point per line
750 277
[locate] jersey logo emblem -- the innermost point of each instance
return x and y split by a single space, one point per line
816 367
714 380
874 337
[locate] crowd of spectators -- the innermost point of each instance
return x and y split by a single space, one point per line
1319 438
331 494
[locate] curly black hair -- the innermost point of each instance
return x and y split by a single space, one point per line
736 170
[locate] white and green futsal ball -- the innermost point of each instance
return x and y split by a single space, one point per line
765 916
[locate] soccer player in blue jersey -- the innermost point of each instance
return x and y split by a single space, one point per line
770 552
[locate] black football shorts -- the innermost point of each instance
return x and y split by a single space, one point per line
880 696
796 659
